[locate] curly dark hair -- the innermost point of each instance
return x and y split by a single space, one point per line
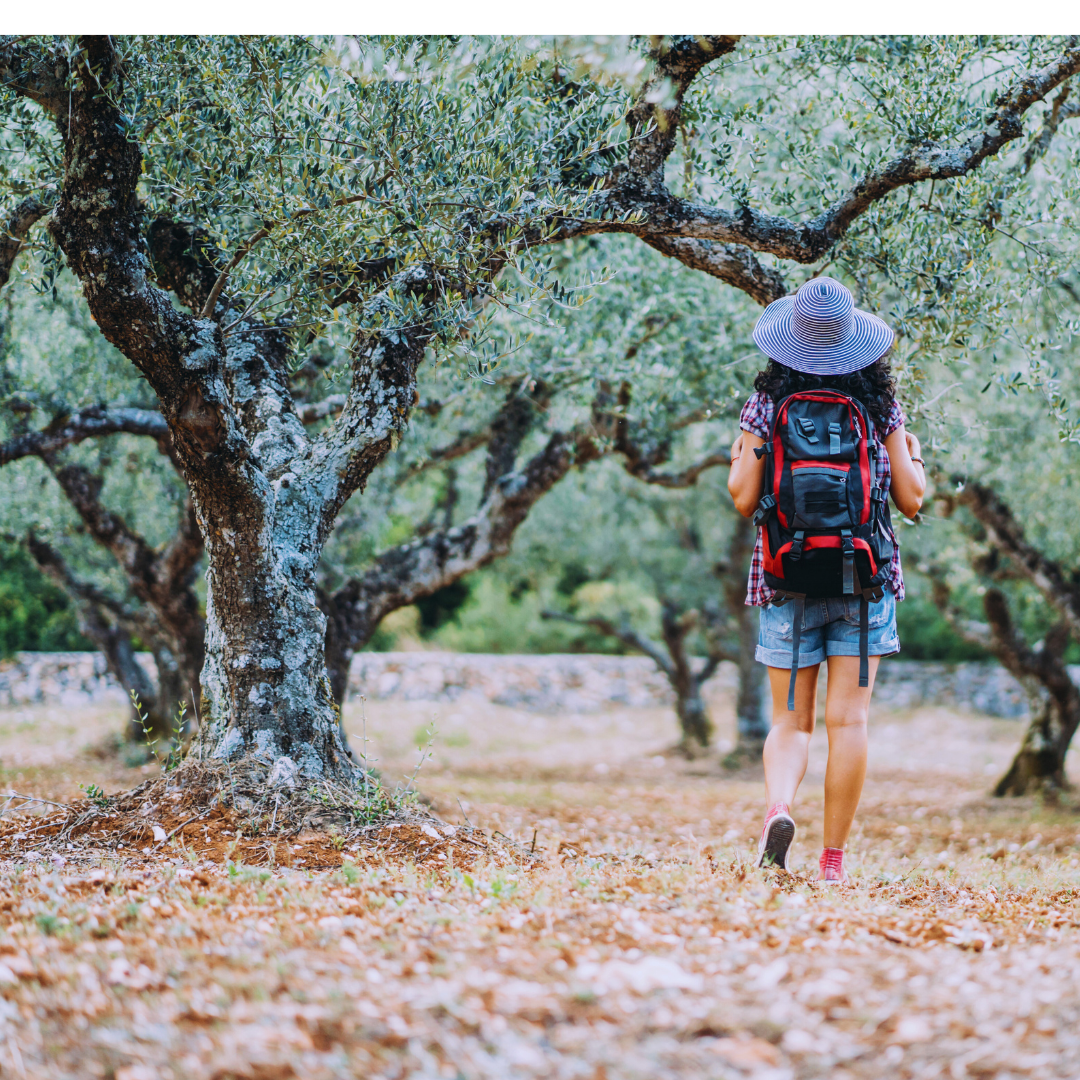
874 385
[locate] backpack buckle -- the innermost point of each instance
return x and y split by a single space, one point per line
762 512
795 553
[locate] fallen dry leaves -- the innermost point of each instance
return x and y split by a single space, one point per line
643 945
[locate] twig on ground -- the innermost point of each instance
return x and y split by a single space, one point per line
9 795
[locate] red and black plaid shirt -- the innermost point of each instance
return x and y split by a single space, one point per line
756 417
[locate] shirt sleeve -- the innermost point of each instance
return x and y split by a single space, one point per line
755 415
896 419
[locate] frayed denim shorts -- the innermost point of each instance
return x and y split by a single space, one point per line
830 628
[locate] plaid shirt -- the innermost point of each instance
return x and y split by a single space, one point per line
756 417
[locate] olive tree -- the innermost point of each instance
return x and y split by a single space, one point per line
230 206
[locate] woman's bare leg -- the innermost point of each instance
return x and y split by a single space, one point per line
788 746
847 706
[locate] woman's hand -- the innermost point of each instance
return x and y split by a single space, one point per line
747 472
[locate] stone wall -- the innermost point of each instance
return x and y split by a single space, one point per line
577 683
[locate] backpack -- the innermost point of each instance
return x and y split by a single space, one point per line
825 524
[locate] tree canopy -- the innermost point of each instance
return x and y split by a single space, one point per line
275 234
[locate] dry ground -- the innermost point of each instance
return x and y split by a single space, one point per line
643 944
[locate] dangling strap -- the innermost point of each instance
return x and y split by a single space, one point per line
864 641
796 634
849 562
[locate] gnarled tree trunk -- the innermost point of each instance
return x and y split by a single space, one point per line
265 688
1039 764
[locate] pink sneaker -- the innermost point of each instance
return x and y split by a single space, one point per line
776 837
831 864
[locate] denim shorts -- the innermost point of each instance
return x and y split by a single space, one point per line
830 628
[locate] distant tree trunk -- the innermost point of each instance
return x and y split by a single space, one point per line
751 709
119 654
695 725
340 648
694 721
111 629
339 654
1039 764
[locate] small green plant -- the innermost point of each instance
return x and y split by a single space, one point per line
48 924
175 752
350 873
95 794
424 751
337 840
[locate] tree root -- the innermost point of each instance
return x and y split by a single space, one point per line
228 814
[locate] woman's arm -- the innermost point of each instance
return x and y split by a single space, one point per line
908 477
747 473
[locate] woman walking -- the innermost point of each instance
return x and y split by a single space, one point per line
822 448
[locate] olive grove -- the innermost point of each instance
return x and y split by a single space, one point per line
276 234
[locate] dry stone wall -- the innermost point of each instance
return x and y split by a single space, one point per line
577 683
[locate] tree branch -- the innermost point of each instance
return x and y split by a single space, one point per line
1046 574
405 574
464 444
654 125
162 580
92 422
183 259
734 264
663 218
687 478
313 411
14 231
43 78
623 632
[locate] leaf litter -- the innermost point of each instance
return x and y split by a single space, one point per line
609 925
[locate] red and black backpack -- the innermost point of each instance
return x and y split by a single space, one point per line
825 523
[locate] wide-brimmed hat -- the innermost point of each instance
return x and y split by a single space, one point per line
819 330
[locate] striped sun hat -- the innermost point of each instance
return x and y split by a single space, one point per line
819 330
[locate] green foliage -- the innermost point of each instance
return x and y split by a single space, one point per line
35 615
341 153
96 794
359 157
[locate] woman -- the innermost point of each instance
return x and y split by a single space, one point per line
817 339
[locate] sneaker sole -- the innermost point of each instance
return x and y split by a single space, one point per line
777 842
